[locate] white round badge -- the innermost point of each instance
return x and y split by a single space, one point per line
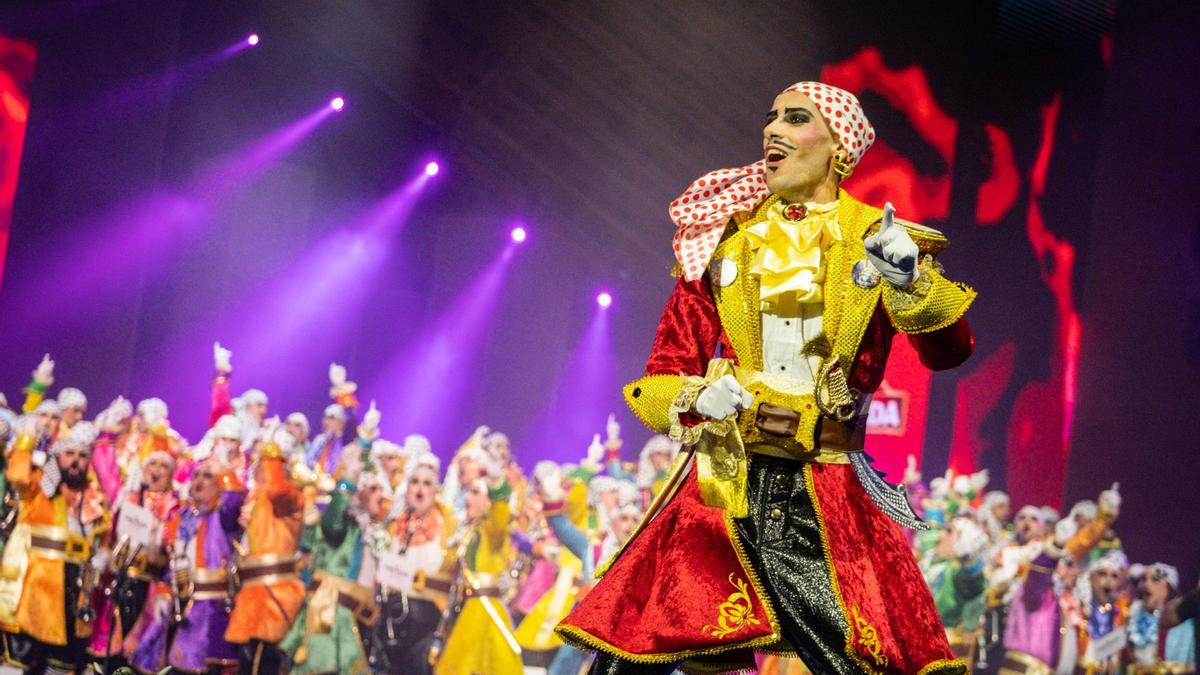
724 271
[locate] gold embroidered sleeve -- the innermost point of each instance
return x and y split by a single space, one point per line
930 303
651 397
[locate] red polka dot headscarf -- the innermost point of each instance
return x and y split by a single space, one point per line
703 210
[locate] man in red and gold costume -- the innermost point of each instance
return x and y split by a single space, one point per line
773 532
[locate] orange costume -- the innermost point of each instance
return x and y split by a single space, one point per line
53 539
271 591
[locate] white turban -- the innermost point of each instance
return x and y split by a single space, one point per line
301 419
417 444
153 410
48 407
229 427
70 397
254 396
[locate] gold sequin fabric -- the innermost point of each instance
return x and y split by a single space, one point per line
651 397
931 303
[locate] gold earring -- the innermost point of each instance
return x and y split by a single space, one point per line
840 167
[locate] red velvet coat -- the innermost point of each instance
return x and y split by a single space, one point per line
682 589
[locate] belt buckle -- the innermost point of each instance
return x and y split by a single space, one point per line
368 613
77 548
418 583
752 433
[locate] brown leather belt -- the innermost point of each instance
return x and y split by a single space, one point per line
483 592
210 587
286 568
73 550
779 426
366 613
785 422
436 585
210 590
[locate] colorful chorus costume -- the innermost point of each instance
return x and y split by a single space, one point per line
770 535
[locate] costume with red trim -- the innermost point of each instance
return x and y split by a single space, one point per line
769 535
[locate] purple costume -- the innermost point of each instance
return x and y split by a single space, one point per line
1034 617
199 642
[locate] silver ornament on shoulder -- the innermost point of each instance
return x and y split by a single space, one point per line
724 271
865 275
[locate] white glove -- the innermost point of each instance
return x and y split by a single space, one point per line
547 476
595 451
269 428
1063 531
892 251
44 373
723 398
325 483
962 484
100 560
613 428
222 358
1110 499
371 418
111 417
912 475
337 381
550 552
979 480
970 540
337 374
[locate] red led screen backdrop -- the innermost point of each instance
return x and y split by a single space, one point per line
16 72
1039 426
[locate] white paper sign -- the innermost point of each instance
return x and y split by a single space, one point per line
139 526
395 571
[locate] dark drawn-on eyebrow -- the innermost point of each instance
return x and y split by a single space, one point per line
771 114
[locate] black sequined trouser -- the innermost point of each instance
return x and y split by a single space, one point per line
782 538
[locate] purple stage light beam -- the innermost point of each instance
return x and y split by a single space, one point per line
586 392
117 102
293 322
150 229
424 385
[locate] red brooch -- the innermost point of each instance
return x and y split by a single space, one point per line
795 212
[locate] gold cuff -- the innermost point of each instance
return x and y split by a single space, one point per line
685 402
930 303
651 397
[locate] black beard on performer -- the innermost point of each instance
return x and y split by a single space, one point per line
75 481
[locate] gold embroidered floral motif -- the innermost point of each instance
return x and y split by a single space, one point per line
735 613
868 637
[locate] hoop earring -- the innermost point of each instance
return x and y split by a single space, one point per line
841 168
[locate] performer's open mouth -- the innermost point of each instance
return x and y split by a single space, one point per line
774 155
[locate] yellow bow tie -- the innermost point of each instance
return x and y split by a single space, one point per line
789 259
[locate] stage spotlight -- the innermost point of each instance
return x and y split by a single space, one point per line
337 104
431 169
604 299
252 40
519 234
